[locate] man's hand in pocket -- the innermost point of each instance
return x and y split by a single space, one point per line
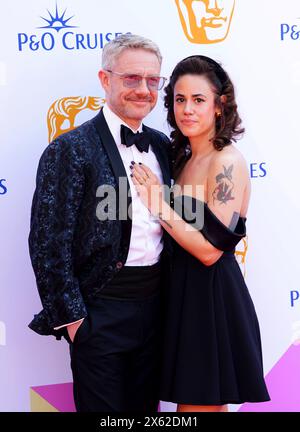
72 329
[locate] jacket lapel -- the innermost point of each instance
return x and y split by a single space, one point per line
119 172
110 147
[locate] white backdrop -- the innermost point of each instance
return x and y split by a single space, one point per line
38 66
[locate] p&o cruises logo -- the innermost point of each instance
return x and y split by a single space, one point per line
205 21
58 31
290 31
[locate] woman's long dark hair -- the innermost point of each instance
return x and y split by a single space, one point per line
227 124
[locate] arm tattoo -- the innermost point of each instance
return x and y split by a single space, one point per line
166 222
224 189
234 221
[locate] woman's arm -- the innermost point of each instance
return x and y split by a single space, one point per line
183 233
226 183
226 186
187 236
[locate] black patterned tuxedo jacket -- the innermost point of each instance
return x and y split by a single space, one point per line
73 253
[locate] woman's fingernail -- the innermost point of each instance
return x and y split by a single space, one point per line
140 163
131 175
132 162
131 167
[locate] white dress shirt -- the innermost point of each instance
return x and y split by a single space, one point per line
146 242
146 236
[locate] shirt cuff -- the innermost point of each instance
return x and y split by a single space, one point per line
65 325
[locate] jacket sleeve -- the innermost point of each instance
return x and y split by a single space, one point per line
55 207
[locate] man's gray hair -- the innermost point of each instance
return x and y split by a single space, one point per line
114 48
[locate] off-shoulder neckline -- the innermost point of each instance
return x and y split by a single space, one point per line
242 218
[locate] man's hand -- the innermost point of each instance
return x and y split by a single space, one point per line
72 329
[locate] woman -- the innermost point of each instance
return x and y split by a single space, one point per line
212 352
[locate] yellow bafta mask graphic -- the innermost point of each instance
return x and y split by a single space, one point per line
62 113
205 21
240 254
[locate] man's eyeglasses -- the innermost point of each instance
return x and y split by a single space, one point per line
133 80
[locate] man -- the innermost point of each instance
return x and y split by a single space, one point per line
100 279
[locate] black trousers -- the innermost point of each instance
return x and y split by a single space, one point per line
116 353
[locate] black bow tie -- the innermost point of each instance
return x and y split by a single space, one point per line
140 139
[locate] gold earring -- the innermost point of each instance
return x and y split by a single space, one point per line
218 114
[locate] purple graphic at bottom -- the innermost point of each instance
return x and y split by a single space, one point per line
283 382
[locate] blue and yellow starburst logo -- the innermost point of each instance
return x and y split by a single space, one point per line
57 21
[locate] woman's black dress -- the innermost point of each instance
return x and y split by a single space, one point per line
212 347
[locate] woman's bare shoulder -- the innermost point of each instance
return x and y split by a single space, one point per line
228 154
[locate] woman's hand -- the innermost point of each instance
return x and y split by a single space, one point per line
148 187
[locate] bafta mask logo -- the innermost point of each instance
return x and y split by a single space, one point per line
240 254
62 113
205 21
